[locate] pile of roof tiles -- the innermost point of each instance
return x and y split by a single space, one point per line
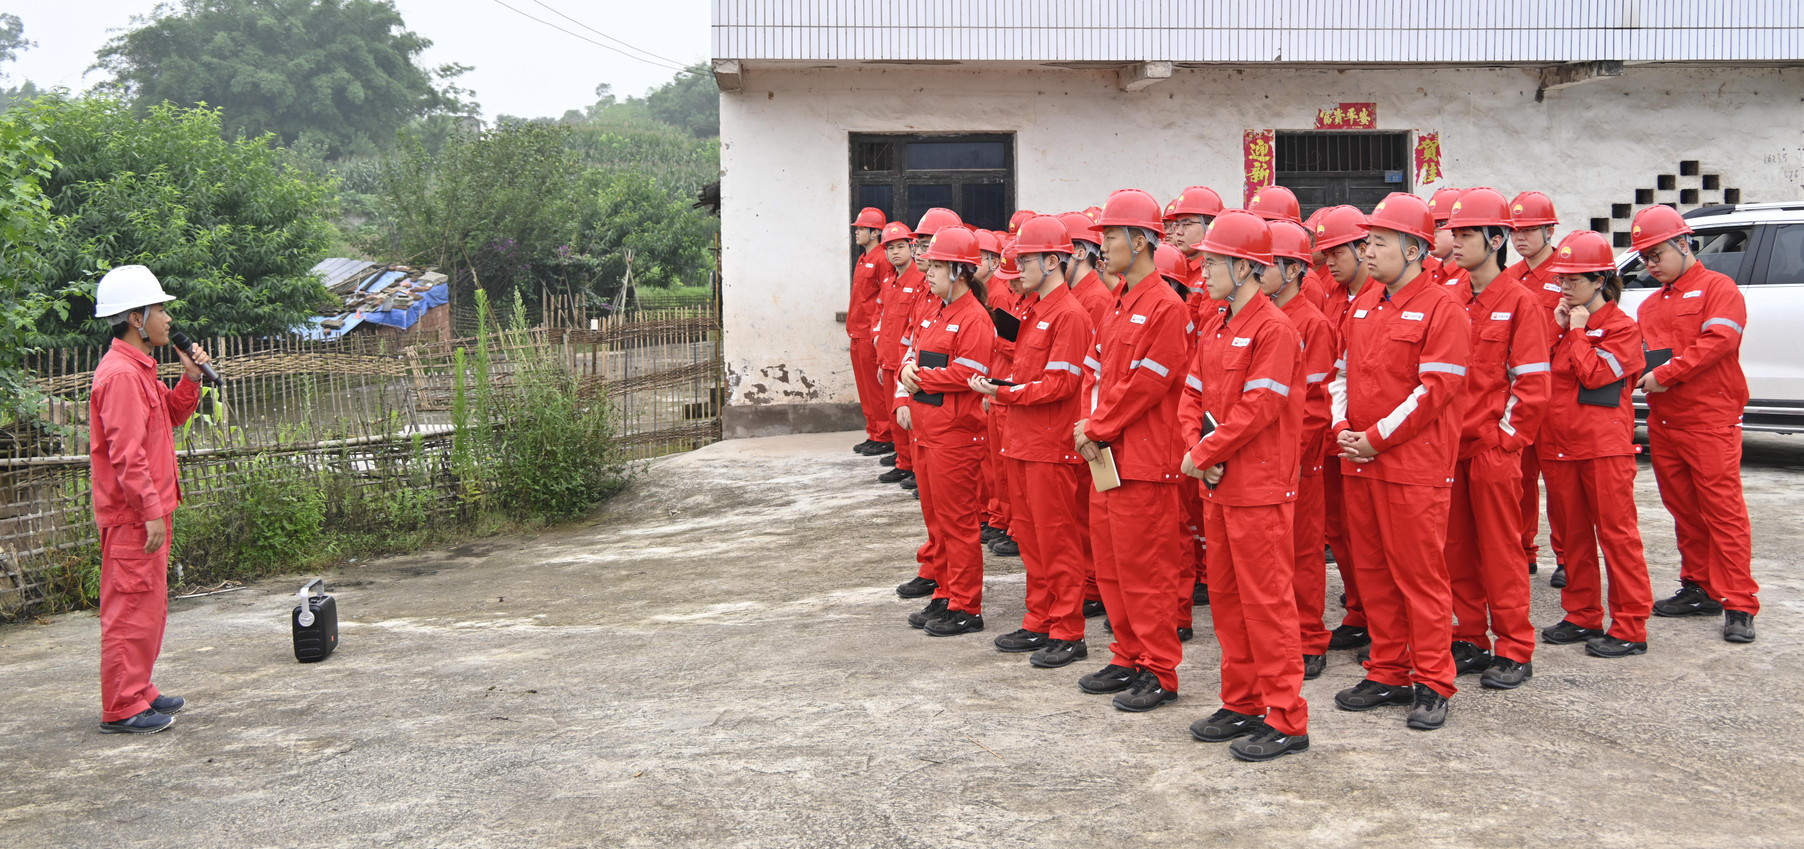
364 286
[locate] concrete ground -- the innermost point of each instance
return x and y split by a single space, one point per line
719 660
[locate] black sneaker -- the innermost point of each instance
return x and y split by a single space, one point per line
1533 567
909 482
1057 653
1430 711
860 447
1314 665
987 533
1343 601
1738 626
1005 546
917 587
1369 694
878 449
1199 595
1224 725
1144 694
168 705
1268 744
1690 600
1566 633
1109 679
1558 579
1328 553
1468 658
148 722
934 610
1093 608
1185 634
887 460
1021 641
953 623
1348 637
894 476
1506 674
1612 647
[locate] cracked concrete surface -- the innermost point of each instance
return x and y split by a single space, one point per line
718 659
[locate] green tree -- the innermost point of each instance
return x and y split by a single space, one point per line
228 226
12 38
627 211
689 102
343 71
25 221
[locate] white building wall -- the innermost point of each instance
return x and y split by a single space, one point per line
785 165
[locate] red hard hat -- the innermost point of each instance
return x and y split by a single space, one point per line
1339 225
1092 212
1195 200
1276 203
1131 208
1045 234
1442 203
953 244
1081 226
1404 213
1583 251
1531 209
1239 233
1014 221
1170 263
895 231
987 241
1480 207
1656 224
933 219
1010 268
871 217
1290 240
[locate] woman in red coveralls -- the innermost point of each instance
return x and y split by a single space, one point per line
952 343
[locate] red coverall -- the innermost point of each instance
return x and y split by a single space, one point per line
893 341
1043 467
1334 512
1540 283
1588 455
1192 546
1694 430
1247 374
949 444
131 451
1507 381
863 313
1445 273
1097 302
997 511
1133 528
1316 285
1405 370
1311 575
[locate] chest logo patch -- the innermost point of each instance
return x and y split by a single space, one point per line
1595 334
951 328
1138 319
1043 325
1360 313
908 289
1698 294
1500 316
1242 341
1413 316
1551 287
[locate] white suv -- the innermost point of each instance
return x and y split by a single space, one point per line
1761 247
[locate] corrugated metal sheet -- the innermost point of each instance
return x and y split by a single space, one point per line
1335 31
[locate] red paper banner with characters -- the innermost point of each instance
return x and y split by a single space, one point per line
1428 158
1347 116
1258 150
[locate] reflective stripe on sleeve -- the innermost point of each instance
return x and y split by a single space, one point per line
1061 365
1449 368
1191 381
1151 364
1615 367
1724 322
1266 383
980 367
1318 377
1529 368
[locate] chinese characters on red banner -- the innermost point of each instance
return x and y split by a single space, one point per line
1347 116
1256 145
1428 158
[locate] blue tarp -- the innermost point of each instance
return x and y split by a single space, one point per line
403 319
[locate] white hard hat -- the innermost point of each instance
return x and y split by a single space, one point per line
127 288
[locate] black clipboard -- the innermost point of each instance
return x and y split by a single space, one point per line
931 359
1007 326
1607 395
1208 428
1656 357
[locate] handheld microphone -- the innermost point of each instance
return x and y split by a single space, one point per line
185 345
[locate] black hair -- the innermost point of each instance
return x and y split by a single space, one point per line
1612 283
969 273
1503 252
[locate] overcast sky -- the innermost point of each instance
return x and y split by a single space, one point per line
523 68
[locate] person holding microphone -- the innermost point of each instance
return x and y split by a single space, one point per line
131 450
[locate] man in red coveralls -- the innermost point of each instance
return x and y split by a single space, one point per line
1340 237
862 314
1695 400
131 449
1532 219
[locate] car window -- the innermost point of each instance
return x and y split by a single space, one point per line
1785 265
1721 250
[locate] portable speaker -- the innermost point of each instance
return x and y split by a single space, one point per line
315 623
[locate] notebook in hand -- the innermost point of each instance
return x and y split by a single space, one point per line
1007 326
1607 395
931 359
1102 469
1657 358
1208 428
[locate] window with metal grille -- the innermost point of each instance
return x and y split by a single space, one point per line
906 175
1332 168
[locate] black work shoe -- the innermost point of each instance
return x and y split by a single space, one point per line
1690 600
1738 626
1533 567
1106 627
1369 694
953 623
887 460
1144 694
1314 665
1224 725
894 476
877 449
1057 653
1343 601
1566 633
1109 679
1199 595
1506 674
1184 634
1364 654
1005 546
1328 554
934 610
917 587
1021 641
1348 637
148 722
1608 646
860 447
1430 711
1093 608
909 482
1558 579
987 533
1468 658
168 705
1268 744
